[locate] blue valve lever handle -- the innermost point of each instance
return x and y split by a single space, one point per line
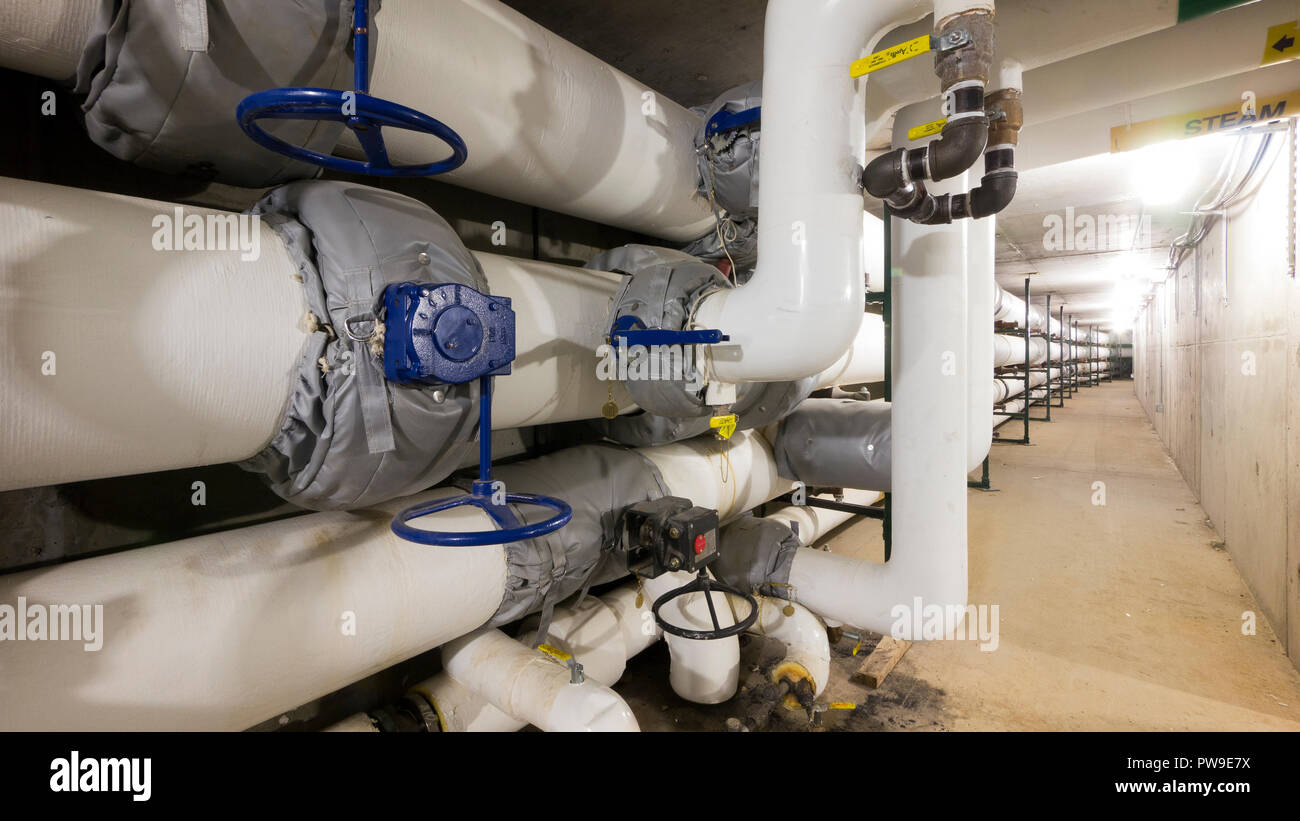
365 115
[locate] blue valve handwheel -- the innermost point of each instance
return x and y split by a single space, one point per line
372 114
511 530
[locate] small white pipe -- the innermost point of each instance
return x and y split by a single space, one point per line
355 723
533 686
979 339
602 634
802 307
807 647
701 671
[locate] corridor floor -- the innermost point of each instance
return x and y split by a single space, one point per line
1123 616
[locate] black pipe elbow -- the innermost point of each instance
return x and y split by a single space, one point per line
959 145
994 193
883 176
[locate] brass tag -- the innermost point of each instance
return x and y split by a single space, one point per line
609 410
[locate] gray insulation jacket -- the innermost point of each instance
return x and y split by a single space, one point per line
841 443
661 287
349 437
163 78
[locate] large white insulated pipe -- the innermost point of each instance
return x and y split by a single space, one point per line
44 37
287 611
121 359
221 632
116 358
802 307
527 683
546 123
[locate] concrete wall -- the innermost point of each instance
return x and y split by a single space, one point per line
1215 366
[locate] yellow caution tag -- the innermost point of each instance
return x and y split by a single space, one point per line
555 653
1282 43
886 58
723 426
842 705
927 130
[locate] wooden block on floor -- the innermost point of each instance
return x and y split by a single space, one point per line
881 660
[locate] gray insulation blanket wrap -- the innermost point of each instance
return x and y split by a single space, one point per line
756 554
843 443
349 437
661 286
163 78
598 482
728 169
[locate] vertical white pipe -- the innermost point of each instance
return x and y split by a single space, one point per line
929 429
979 339
803 305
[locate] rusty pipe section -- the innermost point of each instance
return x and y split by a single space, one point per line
898 177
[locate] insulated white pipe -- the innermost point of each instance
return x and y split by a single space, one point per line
537 688
120 359
601 633
929 428
546 123
979 340
269 605
700 671
44 37
223 631
116 358
802 307
807 647
864 361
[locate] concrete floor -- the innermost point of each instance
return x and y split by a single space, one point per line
1126 616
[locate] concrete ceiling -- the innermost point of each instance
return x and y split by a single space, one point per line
685 49
1115 234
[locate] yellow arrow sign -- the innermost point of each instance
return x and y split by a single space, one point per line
1206 121
890 56
1282 43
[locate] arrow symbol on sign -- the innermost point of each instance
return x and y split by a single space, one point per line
1285 43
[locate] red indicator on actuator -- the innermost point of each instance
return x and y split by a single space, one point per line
700 544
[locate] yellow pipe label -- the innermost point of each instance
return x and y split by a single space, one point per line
1228 117
890 56
927 130
555 653
723 426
